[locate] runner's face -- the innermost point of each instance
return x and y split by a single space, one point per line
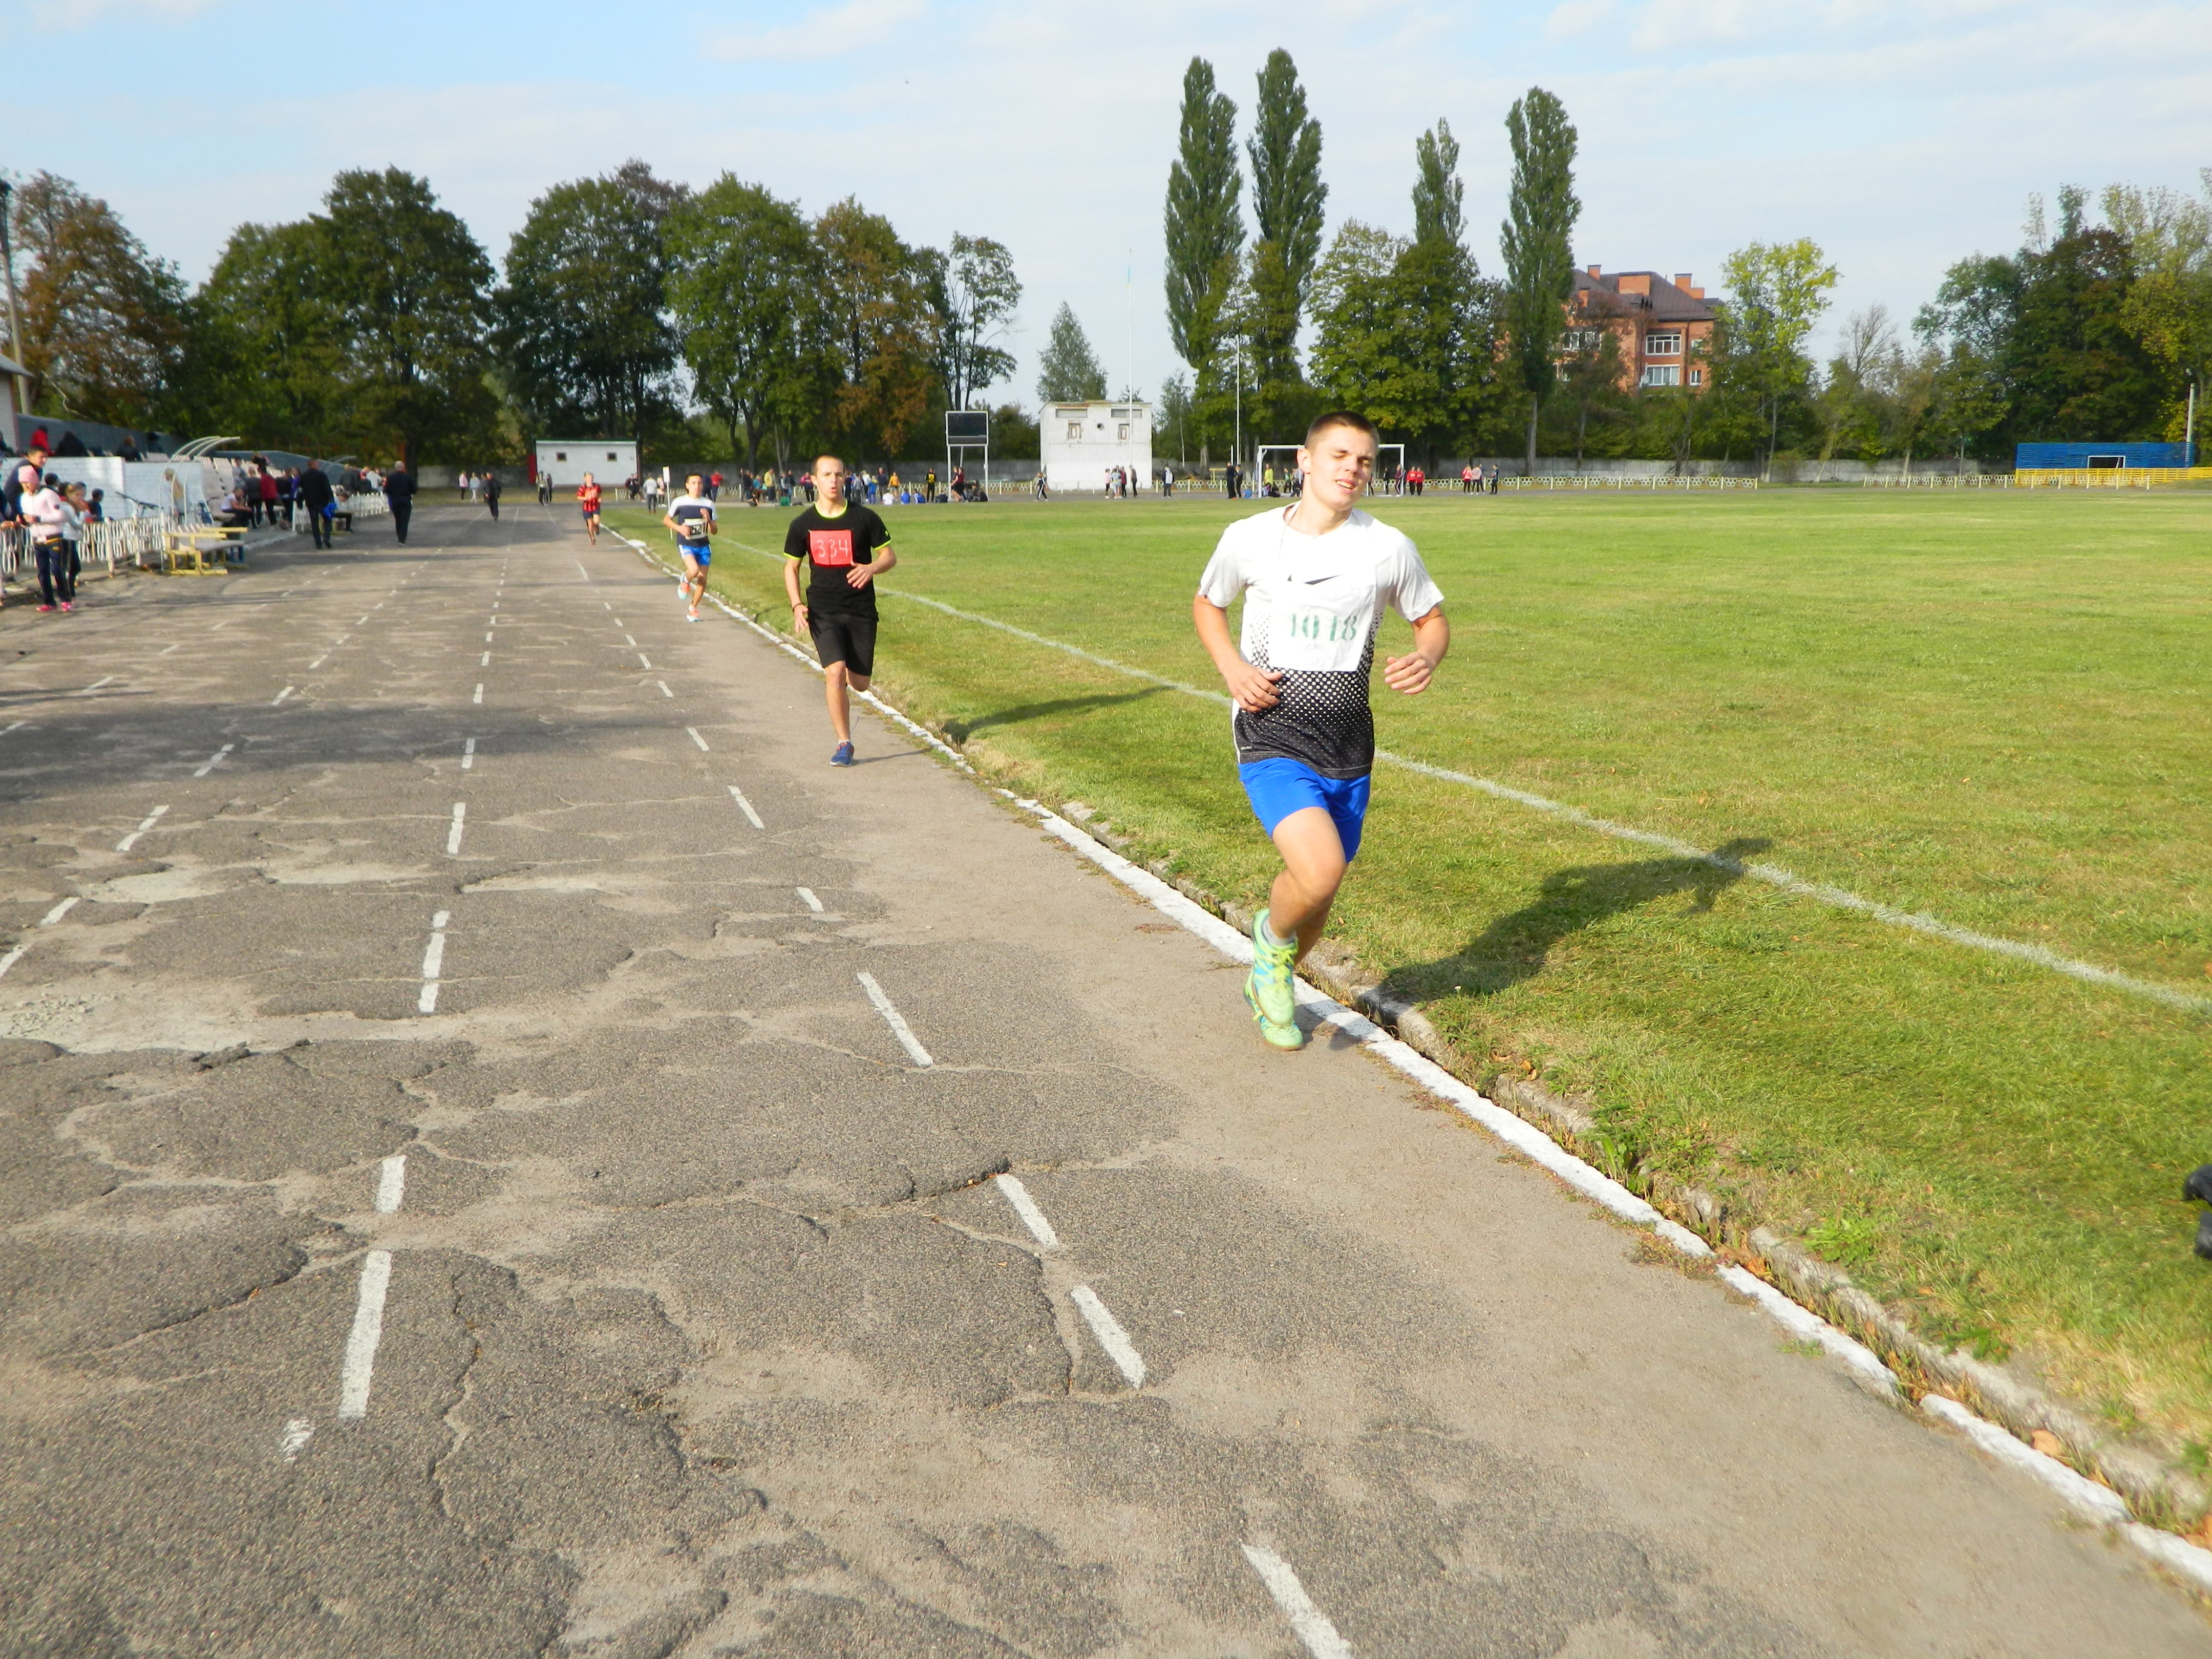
830 480
1338 466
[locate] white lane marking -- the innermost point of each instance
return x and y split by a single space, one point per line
17 725
1773 875
1025 1206
487 639
696 738
297 1433
479 695
358 621
391 1183
1309 1621
368 1331
433 963
897 1021
317 662
628 640
12 957
166 649
806 896
130 840
468 754
104 679
213 760
453 835
644 659
581 571
486 662
665 691
280 695
1111 1337
59 912
746 807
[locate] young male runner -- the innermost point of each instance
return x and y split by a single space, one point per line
587 497
847 548
1314 576
691 516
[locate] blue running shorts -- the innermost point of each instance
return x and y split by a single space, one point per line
702 555
1277 787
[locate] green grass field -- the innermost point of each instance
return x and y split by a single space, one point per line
1988 708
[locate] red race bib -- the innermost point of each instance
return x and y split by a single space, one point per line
829 547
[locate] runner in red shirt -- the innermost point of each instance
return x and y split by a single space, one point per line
587 497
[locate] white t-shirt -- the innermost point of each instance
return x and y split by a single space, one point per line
44 508
1312 605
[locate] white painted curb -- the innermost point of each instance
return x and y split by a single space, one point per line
2096 1503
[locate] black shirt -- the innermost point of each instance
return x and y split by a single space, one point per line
398 487
833 546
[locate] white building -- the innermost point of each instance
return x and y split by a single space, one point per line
609 460
1080 443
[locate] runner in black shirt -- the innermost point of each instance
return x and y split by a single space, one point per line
846 547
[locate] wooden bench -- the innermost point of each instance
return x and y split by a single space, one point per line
194 551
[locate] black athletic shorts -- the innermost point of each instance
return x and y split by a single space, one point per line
848 640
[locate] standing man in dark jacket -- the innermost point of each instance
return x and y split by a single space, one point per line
315 497
491 493
399 493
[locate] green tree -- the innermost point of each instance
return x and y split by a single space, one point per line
1439 198
1205 230
2168 307
880 327
409 288
1288 198
1069 371
267 359
1537 242
104 321
1174 416
582 322
746 281
975 293
1777 293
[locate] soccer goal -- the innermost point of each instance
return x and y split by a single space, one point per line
1389 465
966 431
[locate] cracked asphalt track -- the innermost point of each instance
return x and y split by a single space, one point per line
707 1330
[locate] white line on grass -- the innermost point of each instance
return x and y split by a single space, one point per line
1111 1337
453 835
131 839
1773 875
468 754
1309 1621
1011 1188
806 896
433 963
368 1331
391 1183
897 1021
746 807
213 760
696 739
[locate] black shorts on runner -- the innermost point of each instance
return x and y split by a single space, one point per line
848 640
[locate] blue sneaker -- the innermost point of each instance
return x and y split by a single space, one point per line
842 755
1270 988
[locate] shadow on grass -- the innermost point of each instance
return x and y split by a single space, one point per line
961 731
1516 947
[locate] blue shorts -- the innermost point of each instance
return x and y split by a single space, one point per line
702 555
1278 787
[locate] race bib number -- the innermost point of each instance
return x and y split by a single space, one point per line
1320 638
829 548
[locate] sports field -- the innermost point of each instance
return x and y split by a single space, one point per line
1990 710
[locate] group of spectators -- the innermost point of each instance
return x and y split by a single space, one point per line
262 495
52 517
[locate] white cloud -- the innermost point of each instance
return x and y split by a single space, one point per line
836 31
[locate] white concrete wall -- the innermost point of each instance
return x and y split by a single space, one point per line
610 460
1104 436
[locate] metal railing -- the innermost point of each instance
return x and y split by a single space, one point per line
2109 478
1943 481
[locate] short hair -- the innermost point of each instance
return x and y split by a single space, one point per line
1336 417
826 455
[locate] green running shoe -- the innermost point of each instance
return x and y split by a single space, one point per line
1270 988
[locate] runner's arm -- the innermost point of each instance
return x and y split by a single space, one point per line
1432 638
790 589
1250 689
861 574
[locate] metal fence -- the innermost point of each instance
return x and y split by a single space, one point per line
1943 481
137 543
2109 478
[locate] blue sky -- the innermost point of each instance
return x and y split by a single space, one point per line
1900 137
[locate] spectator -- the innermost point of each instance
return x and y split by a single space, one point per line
315 498
43 515
400 492
491 493
715 486
265 491
75 515
237 512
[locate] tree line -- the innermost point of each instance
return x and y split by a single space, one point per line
715 321
725 320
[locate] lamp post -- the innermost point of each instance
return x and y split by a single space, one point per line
14 312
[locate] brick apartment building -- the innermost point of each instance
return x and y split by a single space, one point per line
1665 329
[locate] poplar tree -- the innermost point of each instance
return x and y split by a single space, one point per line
1204 230
1287 199
1537 241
